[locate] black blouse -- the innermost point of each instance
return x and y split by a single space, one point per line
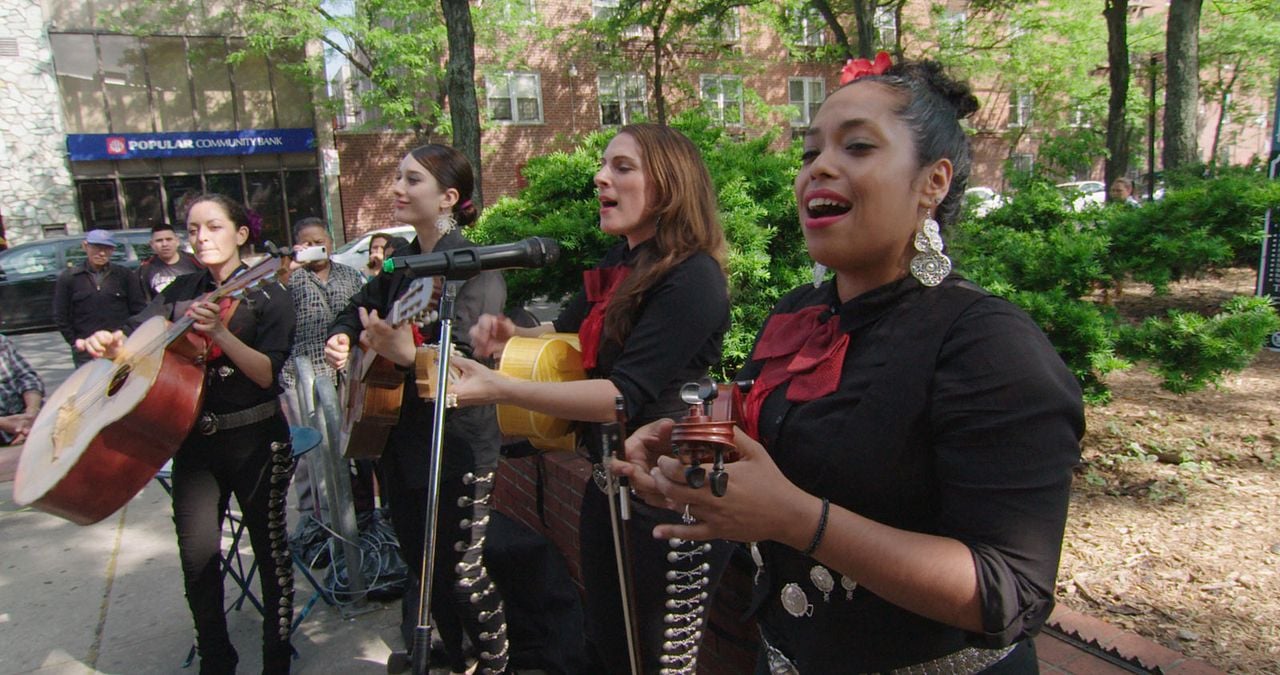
676 338
471 434
953 416
263 320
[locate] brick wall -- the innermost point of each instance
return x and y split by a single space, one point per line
729 642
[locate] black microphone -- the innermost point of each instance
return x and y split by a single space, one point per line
464 263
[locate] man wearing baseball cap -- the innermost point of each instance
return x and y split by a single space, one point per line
96 294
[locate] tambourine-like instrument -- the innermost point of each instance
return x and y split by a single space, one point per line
705 435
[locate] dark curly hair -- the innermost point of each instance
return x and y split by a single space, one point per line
933 107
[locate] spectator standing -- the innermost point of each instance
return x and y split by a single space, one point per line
1121 192
377 253
320 290
96 295
168 263
21 393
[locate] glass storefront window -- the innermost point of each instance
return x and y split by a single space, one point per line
228 184
212 84
76 63
302 192
124 72
170 86
142 204
266 197
99 208
176 190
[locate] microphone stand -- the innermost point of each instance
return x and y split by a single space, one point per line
421 649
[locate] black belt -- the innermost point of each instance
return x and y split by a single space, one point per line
210 423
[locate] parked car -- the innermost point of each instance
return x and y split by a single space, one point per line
1084 194
28 272
984 200
356 253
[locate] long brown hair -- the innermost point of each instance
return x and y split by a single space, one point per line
682 201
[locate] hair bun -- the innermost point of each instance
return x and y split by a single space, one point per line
955 92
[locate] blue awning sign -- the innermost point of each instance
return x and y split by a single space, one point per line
89 147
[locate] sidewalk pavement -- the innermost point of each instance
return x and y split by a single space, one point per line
108 598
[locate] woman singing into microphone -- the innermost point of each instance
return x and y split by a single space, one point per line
652 317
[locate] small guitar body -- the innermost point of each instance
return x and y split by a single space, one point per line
374 390
109 428
372 404
552 357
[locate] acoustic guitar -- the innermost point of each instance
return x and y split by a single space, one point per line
550 357
107 430
371 399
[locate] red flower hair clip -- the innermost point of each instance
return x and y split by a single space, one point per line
855 68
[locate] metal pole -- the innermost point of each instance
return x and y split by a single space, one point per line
422 633
1151 132
322 412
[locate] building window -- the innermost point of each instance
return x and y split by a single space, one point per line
952 28
805 94
603 10
886 27
1078 115
1024 162
808 27
514 97
622 98
1020 107
727 29
722 98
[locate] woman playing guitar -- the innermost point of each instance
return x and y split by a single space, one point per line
432 191
240 443
652 317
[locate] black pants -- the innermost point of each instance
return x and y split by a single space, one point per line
254 463
652 562
463 598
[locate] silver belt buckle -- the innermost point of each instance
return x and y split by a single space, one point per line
207 423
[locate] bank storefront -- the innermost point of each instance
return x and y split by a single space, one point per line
152 119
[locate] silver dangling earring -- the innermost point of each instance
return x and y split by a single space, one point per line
930 266
445 223
819 274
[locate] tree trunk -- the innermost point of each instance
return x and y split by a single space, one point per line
1117 16
864 12
659 99
833 22
460 84
1182 83
1224 99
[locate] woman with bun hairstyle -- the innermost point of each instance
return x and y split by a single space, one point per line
908 441
433 187
240 443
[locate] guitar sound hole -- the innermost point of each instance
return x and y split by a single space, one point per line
118 379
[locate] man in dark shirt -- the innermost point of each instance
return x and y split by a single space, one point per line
168 263
96 295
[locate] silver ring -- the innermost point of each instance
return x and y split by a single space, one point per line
688 517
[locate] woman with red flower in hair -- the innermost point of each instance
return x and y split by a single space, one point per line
908 440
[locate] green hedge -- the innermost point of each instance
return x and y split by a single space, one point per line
1036 251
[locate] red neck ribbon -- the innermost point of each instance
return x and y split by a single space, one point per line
599 285
805 348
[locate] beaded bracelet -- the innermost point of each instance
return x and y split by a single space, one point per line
822 528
